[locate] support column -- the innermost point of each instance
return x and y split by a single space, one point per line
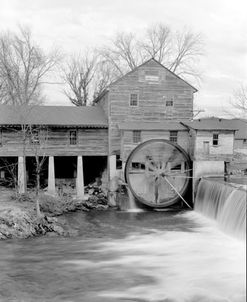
80 178
123 168
112 160
21 175
51 176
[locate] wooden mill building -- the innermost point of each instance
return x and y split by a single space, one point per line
81 143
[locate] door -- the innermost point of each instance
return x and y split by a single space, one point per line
206 148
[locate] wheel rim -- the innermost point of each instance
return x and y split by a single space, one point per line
157 172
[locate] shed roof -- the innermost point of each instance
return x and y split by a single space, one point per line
212 123
166 125
63 116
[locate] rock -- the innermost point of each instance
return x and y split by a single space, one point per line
101 207
58 229
51 219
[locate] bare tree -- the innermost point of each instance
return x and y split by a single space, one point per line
38 137
178 51
187 49
158 43
123 54
240 99
78 73
23 68
104 75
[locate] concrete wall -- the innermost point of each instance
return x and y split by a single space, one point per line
240 146
206 168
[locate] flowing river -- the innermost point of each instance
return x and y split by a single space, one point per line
121 256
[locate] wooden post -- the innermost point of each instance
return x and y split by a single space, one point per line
80 178
51 176
112 161
21 175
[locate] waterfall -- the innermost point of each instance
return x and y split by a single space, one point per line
126 200
225 203
132 203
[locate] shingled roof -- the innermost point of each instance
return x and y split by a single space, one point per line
212 123
166 125
63 116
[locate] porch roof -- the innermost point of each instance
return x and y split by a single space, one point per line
62 116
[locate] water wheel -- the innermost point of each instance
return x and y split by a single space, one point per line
157 173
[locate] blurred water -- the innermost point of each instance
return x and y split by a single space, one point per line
225 203
148 256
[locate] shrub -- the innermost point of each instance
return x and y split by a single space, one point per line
24 197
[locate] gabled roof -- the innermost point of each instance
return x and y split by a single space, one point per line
132 71
166 125
212 123
63 116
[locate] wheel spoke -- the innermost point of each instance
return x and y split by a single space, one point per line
149 172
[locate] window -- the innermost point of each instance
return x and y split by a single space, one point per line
136 136
73 137
169 103
245 141
173 136
215 139
133 99
34 136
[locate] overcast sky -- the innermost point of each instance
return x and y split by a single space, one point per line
72 25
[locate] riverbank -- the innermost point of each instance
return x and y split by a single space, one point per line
18 216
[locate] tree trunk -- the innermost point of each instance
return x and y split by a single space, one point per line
37 186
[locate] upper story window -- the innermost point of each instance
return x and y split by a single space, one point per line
73 137
169 103
215 139
174 136
34 136
133 99
136 136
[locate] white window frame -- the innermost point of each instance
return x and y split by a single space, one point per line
173 138
136 136
215 139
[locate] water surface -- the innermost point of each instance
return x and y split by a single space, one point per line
119 256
